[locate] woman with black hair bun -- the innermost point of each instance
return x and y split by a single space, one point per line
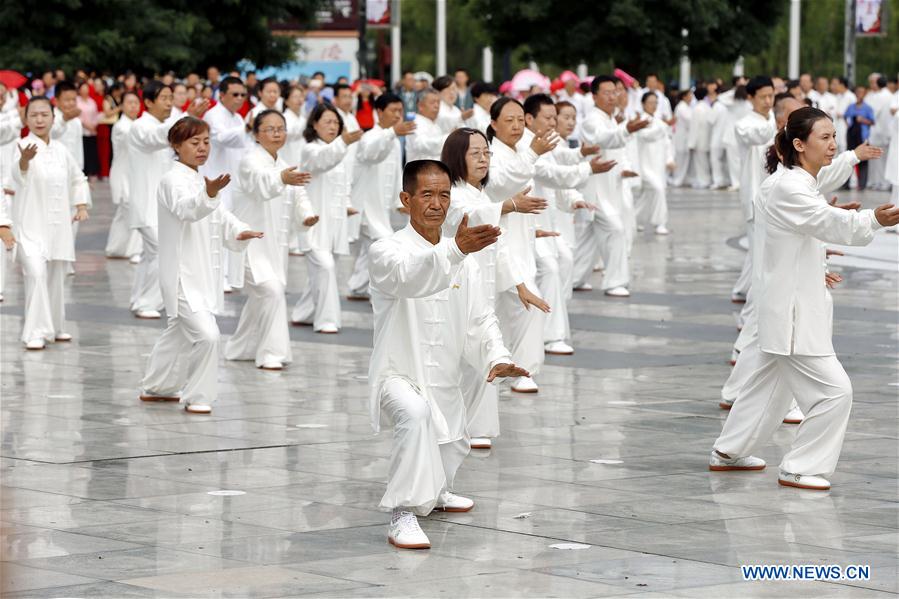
796 356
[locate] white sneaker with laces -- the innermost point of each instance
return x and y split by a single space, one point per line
450 502
558 348
803 481
618 292
404 532
662 230
720 463
524 384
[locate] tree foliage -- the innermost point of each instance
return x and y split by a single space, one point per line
146 36
636 35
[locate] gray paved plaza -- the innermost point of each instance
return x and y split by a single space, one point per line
103 496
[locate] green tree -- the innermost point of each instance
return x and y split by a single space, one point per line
147 36
636 35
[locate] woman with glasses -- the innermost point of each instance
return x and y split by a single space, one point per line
324 155
265 198
467 155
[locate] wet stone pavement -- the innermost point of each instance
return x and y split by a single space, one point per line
275 494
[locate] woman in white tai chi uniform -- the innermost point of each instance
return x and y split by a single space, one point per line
329 193
795 310
49 187
123 241
467 155
656 158
267 191
193 227
511 172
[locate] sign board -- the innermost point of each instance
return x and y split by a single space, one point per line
870 18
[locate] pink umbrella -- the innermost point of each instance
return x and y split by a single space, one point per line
567 76
526 79
505 87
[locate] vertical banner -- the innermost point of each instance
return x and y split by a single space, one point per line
377 13
870 20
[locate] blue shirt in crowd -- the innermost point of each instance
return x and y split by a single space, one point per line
863 111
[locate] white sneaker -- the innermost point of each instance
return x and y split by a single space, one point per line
733 188
584 287
1 297
719 463
738 298
480 443
726 404
135 259
525 384
63 337
272 366
662 230
558 348
794 416
328 329
618 292
35 344
404 532
734 354
803 481
198 408
450 502
148 314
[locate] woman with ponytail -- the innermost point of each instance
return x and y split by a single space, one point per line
796 356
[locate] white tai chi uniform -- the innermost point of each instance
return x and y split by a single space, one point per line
151 158
480 119
718 120
46 197
683 169
266 204
10 128
123 241
192 229
562 168
354 222
754 134
292 152
795 330
736 110
891 172
229 141
70 134
329 196
830 178
379 171
879 102
700 144
449 117
510 173
430 313
498 274
843 101
426 142
604 233
655 151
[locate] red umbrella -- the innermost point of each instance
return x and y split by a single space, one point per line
12 79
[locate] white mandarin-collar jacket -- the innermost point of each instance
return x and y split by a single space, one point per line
795 307
426 142
192 230
430 313
754 134
46 195
328 193
379 168
265 203
151 158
